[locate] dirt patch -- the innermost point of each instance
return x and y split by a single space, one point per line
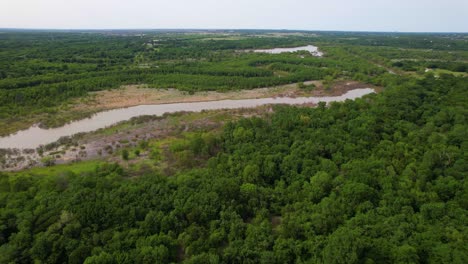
341 87
134 95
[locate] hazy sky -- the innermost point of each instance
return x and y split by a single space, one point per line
362 15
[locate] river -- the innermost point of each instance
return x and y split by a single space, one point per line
36 136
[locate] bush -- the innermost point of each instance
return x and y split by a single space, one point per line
125 154
48 161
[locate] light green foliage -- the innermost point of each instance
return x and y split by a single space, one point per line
48 161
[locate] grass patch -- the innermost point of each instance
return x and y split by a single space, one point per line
438 72
77 168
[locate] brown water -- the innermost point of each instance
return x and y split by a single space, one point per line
35 136
310 48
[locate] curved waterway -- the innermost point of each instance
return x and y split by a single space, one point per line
36 136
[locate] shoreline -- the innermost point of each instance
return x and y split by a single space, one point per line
136 95
36 136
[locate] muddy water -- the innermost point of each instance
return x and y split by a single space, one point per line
312 49
35 136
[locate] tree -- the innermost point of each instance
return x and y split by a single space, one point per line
343 246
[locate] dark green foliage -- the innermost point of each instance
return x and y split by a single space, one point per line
125 154
376 180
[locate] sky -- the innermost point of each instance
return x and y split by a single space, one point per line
342 15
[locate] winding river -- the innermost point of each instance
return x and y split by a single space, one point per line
36 136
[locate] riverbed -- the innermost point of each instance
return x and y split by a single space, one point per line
36 136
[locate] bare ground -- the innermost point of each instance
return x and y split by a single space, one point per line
133 95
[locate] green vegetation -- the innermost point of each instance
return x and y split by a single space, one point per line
381 179
48 161
307 87
125 154
58 169
41 73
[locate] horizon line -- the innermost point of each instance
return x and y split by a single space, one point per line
224 29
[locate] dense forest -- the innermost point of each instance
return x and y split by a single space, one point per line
380 179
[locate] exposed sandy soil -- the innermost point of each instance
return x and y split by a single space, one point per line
133 95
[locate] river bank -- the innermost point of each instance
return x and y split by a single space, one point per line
104 140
